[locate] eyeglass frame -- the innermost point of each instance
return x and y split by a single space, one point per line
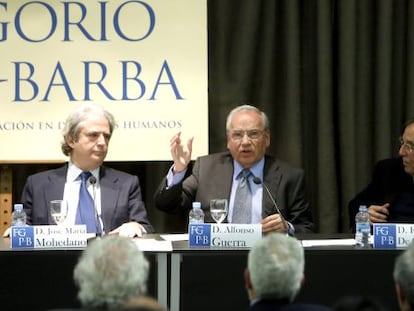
252 134
408 145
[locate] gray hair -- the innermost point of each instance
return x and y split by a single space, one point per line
75 120
276 265
110 272
230 116
404 272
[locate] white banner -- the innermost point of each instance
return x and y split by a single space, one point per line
146 61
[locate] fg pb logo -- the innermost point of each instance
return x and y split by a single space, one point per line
22 237
384 235
199 234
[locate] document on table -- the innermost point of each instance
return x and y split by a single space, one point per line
328 242
175 237
154 245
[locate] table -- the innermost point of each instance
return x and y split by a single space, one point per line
184 279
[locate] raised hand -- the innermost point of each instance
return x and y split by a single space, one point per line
180 153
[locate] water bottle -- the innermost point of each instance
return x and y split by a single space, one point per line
363 227
196 215
18 216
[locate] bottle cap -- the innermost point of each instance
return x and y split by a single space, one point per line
18 207
362 207
196 205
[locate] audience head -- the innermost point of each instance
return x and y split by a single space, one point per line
404 278
248 134
110 273
87 132
275 268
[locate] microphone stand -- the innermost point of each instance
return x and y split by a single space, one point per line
258 181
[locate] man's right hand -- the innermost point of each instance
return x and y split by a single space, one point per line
378 213
181 154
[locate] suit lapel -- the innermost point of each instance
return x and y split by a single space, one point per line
272 177
109 195
223 185
57 180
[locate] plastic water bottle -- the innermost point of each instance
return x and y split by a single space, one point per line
196 215
19 216
363 227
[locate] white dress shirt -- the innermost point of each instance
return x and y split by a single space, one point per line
71 193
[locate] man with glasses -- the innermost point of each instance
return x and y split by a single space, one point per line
270 185
390 194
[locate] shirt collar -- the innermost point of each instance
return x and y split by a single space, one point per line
74 172
256 169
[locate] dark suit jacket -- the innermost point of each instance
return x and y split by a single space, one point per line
212 178
281 305
120 197
389 180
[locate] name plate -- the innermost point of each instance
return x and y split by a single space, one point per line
389 235
224 235
49 237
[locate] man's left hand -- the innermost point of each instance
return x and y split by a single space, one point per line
274 223
130 229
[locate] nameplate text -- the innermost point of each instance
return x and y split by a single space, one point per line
48 237
224 235
390 235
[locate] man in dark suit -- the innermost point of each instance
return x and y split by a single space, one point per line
390 194
116 195
218 175
275 273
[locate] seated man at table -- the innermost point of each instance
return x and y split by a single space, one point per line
404 278
258 187
389 195
275 273
104 199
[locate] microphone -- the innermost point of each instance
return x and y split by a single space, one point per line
258 181
99 231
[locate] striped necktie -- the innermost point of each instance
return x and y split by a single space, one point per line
242 208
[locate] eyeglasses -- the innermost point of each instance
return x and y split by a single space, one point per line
252 134
408 145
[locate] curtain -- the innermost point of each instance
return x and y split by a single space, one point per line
334 77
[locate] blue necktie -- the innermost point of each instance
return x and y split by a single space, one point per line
86 207
242 207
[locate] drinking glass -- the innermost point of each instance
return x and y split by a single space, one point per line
58 210
218 209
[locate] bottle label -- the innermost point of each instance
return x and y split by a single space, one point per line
196 216
363 226
362 232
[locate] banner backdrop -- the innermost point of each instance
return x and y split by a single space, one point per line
146 61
